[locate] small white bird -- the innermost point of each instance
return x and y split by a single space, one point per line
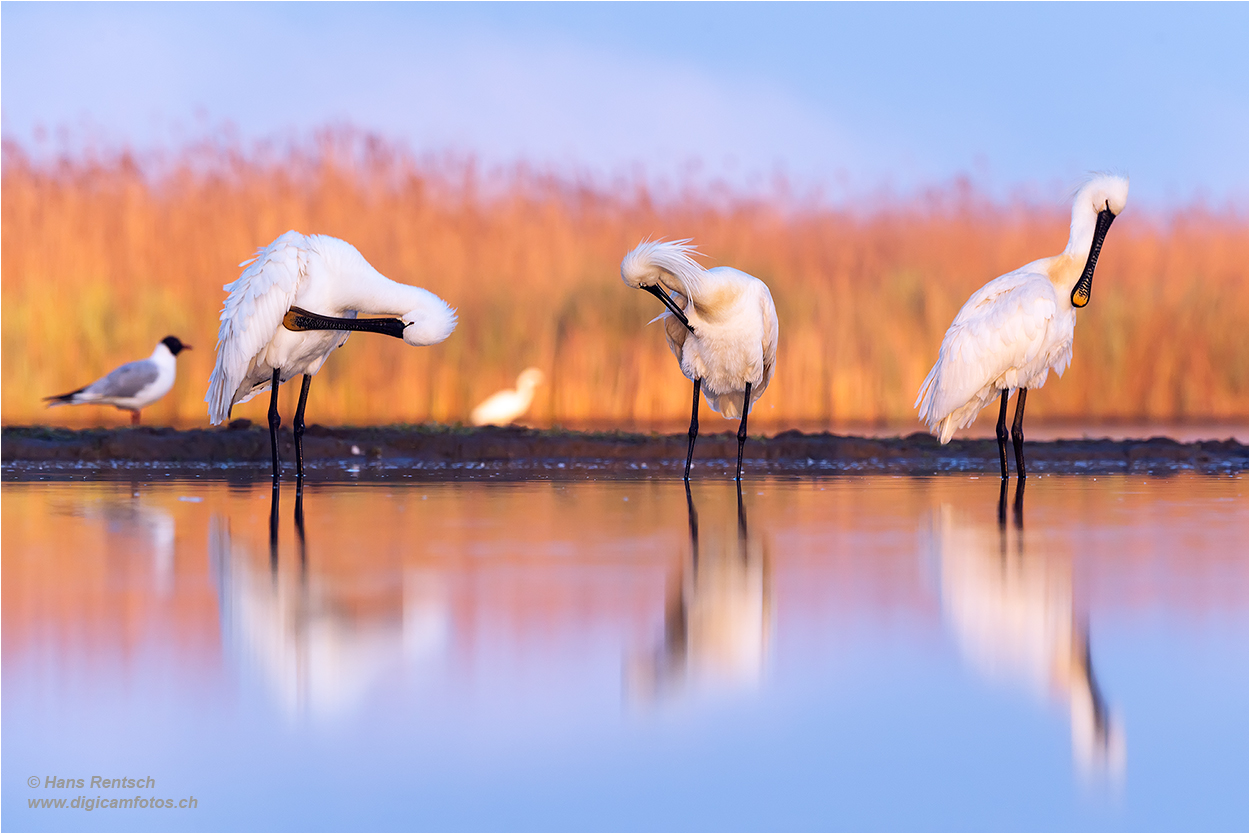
134 386
1017 328
502 407
268 334
721 325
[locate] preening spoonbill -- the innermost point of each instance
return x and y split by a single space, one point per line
721 325
1013 331
502 407
134 386
292 307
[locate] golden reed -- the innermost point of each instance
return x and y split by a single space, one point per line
101 259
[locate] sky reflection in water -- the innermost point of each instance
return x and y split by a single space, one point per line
846 653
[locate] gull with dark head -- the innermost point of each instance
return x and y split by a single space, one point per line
132 387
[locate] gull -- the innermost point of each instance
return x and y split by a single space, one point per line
134 386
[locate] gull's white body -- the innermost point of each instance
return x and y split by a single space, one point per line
320 274
502 407
133 386
732 313
1017 328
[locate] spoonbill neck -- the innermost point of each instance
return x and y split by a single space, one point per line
372 292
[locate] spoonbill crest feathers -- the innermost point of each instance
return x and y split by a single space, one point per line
652 262
1102 191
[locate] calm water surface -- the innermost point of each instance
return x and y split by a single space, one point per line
844 653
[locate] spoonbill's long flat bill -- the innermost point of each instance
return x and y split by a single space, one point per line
721 325
1017 328
292 306
134 386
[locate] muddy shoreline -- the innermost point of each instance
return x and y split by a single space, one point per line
436 451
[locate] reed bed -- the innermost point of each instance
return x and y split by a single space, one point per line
102 257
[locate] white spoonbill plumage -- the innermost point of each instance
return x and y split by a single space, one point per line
292 306
1017 328
721 325
134 386
502 407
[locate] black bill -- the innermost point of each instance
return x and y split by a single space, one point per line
298 319
662 294
1080 293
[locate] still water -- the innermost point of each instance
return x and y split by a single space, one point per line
850 652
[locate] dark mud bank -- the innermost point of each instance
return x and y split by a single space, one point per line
442 451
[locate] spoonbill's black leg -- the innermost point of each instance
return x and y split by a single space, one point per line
1017 515
274 422
299 524
694 428
742 519
694 527
273 530
1017 434
299 432
1001 431
742 431
1002 504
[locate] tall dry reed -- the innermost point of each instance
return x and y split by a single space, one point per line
101 259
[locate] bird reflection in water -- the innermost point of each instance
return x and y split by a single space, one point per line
135 526
319 634
1013 617
718 611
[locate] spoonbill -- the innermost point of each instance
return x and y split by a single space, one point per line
721 325
502 407
134 386
291 308
1014 330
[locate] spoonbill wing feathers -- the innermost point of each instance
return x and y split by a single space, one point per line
675 333
769 343
253 312
1003 326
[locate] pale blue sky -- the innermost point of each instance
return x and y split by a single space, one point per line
850 98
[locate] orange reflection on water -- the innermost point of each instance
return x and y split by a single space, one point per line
390 577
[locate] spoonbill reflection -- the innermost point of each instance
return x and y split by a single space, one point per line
717 617
292 306
133 386
320 640
1017 328
1013 618
721 325
502 407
